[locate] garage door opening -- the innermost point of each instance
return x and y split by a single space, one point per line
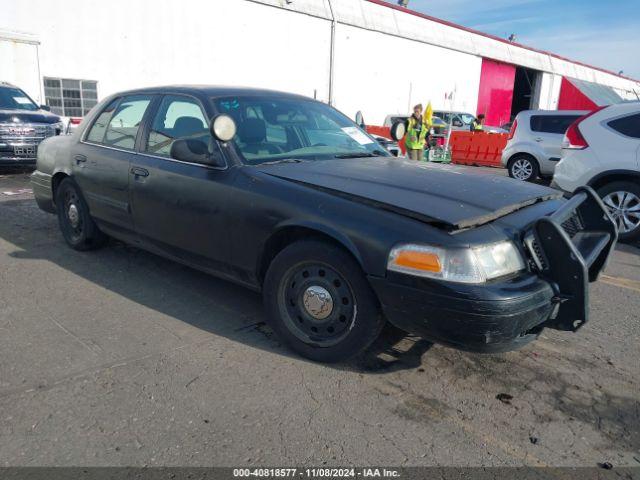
523 88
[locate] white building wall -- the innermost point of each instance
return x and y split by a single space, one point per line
19 62
376 17
381 53
135 43
382 75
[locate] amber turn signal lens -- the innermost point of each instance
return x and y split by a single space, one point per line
428 262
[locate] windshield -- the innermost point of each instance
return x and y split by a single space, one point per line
273 129
467 118
15 99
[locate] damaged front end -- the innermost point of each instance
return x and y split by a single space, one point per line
569 249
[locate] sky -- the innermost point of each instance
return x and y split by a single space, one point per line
603 33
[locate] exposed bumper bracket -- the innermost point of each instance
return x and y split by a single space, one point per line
570 249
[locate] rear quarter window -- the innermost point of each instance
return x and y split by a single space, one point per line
557 124
628 126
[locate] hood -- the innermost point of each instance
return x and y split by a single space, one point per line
451 198
25 116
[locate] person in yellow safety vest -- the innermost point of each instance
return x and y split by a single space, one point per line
416 134
478 124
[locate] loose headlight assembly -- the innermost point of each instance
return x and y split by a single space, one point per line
461 265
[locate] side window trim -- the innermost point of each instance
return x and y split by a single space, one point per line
87 130
147 121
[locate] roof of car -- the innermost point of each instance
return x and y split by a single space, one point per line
212 91
552 112
457 112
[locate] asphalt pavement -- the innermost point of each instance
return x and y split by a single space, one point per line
119 357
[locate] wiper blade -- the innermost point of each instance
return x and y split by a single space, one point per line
375 153
284 160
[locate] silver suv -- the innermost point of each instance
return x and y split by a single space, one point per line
535 143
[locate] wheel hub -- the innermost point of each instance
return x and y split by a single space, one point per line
522 169
74 215
317 302
625 210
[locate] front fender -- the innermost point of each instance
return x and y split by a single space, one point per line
339 237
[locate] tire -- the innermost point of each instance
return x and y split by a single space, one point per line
323 329
77 227
623 201
524 168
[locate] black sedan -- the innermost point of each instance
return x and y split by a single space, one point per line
286 195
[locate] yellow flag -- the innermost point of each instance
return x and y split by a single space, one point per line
428 115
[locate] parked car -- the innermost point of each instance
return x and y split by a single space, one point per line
287 196
535 143
507 127
390 145
439 127
461 122
602 150
23 125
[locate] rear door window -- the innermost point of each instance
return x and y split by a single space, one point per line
125 122
628 126
557 124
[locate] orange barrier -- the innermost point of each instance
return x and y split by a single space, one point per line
381 131
467 148
477 148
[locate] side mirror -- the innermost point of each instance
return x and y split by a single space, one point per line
398 131
46 108
194 150
360 121
223 128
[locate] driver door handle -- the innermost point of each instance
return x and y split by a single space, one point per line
539 139
80 159
140 172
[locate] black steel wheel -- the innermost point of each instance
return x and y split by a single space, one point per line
77 227
320 307
320 303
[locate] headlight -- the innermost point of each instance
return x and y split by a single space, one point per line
461 265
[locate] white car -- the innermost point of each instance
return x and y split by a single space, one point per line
534 144
390 145
602 150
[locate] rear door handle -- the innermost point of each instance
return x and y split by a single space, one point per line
539 139
80 159
140 172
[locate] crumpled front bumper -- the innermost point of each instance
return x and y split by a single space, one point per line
497 317
567 250
41 183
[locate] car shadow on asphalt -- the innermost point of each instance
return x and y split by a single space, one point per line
173 290
573 390
17 170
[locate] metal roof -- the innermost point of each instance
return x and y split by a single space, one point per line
601 95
